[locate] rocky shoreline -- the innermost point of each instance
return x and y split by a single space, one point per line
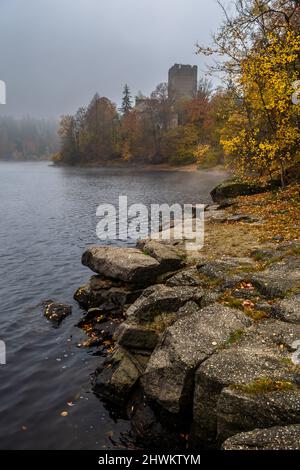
198 352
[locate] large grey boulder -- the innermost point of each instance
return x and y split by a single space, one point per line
185 277
118 375
134 336
274 438
243 410
215 215
221 269
155 310
232 188
288 310
226 272
146 430
265 254
110 294
169 257
168 379
161 300
279 279
129 265
274 333
259 362
137 336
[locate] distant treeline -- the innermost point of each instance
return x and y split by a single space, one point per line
27 138
154 130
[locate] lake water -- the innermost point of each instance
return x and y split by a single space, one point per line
48 217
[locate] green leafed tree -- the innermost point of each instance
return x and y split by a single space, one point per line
126 100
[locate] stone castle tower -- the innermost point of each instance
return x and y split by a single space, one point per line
183 81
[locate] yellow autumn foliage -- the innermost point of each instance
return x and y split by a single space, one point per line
263 133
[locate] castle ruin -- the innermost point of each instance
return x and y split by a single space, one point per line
182 82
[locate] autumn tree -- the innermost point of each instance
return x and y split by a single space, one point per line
92 135
68 143
179 144
260 44
130 136
161 105
266 137
142 129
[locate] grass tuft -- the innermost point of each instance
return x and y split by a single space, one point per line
264 385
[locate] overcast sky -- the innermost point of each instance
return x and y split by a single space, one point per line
55 54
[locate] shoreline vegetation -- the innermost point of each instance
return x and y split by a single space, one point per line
199 347
157 130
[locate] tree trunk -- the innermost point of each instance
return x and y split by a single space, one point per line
282 175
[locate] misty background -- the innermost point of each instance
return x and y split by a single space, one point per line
55 54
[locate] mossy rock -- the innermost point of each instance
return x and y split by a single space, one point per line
233 188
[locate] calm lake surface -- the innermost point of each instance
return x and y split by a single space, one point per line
48 217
